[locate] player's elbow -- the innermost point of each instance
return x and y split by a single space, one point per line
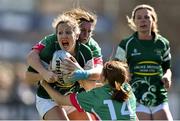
32 55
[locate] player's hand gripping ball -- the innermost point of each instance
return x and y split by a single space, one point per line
58 57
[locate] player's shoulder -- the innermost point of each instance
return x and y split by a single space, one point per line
127 40
130 37
84 48
85 51
50 38
50 41
161 39
100 91
92 43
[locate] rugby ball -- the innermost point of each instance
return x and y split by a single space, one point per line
58 57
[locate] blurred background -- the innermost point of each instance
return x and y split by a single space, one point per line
24 22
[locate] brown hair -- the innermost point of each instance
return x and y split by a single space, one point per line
117 74
82 15
153 15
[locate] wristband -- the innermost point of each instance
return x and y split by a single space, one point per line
79 75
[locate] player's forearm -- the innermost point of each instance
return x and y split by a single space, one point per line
93 77
33 60
55 95
95 72
32 78
80 75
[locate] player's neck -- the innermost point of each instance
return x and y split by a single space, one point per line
144 36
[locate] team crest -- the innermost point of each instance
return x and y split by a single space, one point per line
135 52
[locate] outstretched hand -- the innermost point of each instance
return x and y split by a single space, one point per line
49 76
72 70
167 82
69 65
166 79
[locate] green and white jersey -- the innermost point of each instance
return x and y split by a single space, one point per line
96 51
98 101
47 47
147 60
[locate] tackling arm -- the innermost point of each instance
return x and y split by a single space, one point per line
78 73
33 60
32 78
56 96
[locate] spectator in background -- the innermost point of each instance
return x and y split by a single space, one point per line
148 56
7 81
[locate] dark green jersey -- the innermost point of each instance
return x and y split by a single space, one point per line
93 45
147 60
98 101
47 47
96 51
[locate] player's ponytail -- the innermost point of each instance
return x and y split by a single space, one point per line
117 74
120 94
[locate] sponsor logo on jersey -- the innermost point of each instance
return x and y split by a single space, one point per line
147 68
135 52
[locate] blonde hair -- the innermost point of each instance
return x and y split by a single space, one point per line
66 19
82 15
153 15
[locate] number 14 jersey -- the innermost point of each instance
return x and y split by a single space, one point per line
98 101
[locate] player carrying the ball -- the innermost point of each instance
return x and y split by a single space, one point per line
67 31
87 22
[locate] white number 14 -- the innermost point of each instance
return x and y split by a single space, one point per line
123 110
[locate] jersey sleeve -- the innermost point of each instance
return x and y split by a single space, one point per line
87 56
166 64
44 42
96 51
121 51
44 46
83 101
95 48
